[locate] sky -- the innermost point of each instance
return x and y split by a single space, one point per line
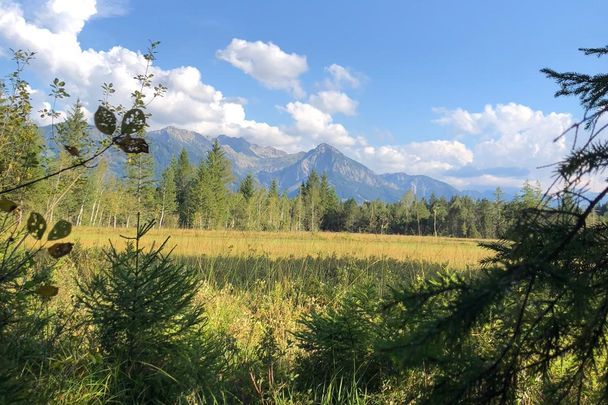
449 89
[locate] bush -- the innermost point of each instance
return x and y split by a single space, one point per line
147 326
342 344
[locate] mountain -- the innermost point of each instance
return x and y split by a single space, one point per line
350 178
508 193
422 186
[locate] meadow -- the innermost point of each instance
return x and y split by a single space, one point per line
259 287
454 252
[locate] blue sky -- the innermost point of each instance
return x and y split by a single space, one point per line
444 88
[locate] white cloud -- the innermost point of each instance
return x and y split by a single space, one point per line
485 181
511 134
340 77
317 125
430 157
267 63
508 136
331 101
66 16
189 102
111 8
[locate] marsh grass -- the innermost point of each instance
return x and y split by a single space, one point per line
454 252
254 283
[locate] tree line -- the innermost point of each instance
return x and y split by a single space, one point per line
205 196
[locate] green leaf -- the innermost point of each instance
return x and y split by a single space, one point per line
60 230
132 145
36 225
7 205
47 291
105 121
60 249
133 121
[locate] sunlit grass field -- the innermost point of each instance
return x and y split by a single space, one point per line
453 252
256 282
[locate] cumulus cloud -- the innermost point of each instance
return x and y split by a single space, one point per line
112 8
430 157
190 103
267 63
317 125
331 101
341 77
511 134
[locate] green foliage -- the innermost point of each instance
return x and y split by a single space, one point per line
533 321
25 291
343 343
147 325
247 187
166 196
210 194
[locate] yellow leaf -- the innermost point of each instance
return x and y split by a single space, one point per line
7 205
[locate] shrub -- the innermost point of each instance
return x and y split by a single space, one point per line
341 344
147 325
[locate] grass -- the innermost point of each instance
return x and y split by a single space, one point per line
255 282
454 252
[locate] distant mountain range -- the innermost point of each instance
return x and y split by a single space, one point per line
350 178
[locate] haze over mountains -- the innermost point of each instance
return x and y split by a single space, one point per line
350 178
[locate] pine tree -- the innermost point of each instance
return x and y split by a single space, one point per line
73 132
213 177
141 183
330 205
72 142
247 187
421 212
273 208
184 177
312 202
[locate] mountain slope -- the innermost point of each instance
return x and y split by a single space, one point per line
422 186
350 178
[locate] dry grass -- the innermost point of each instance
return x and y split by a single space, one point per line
456 253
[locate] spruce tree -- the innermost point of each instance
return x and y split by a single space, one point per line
247 187
214 175
273 208
73 132
147 325
72 142
312 201
184 183
140 182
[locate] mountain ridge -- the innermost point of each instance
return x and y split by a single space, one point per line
351 178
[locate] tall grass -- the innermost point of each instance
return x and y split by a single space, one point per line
256 285
455 252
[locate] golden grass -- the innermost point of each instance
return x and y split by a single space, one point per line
457 253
